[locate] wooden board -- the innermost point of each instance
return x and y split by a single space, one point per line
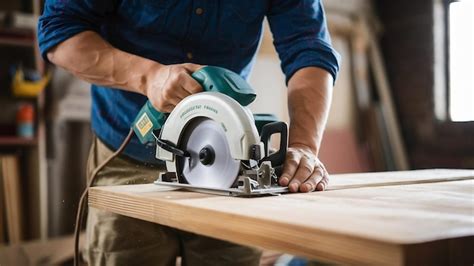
378 179
392 124
348 224
12 197
2 214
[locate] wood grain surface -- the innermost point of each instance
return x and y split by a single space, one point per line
349 223
10 172
345 181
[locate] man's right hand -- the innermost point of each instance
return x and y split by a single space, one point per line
167 85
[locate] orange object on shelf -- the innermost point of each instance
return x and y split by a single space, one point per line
26 113
25 118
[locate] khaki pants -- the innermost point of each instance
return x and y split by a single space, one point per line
119 240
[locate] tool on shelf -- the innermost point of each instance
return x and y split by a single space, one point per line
28 83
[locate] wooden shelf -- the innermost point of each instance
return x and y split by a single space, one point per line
20 45
15 41
17 141
15 37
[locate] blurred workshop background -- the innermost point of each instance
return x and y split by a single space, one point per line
404 99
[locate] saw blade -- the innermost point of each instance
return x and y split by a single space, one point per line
210 163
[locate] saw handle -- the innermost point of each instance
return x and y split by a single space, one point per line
277 158
211 78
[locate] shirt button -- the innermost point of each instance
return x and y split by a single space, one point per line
199 11
189 55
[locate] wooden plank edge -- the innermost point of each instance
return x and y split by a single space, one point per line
399 183
250 231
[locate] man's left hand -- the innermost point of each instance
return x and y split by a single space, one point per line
303 171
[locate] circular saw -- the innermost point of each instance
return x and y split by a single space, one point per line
211 141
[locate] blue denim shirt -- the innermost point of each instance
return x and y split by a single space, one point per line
222 33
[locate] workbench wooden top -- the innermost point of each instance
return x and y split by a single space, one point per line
376 218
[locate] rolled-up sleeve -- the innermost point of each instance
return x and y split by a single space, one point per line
62 19
301 37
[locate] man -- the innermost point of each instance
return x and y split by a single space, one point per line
132 51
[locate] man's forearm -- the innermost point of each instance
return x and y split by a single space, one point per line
91 58
309 100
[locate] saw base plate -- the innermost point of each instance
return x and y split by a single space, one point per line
274 190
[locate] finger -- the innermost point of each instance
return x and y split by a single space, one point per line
172 100
160 104
181 93
291 165
322 185
167 108
168 102
312 182
191 68
308 186
325 181
172 92
189 84
321 165
304 171
167 99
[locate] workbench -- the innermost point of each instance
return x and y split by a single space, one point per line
392 218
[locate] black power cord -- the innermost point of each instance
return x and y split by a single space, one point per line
83 200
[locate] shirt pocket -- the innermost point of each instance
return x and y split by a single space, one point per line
148 16
241 22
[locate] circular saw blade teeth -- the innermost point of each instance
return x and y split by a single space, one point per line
197 170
